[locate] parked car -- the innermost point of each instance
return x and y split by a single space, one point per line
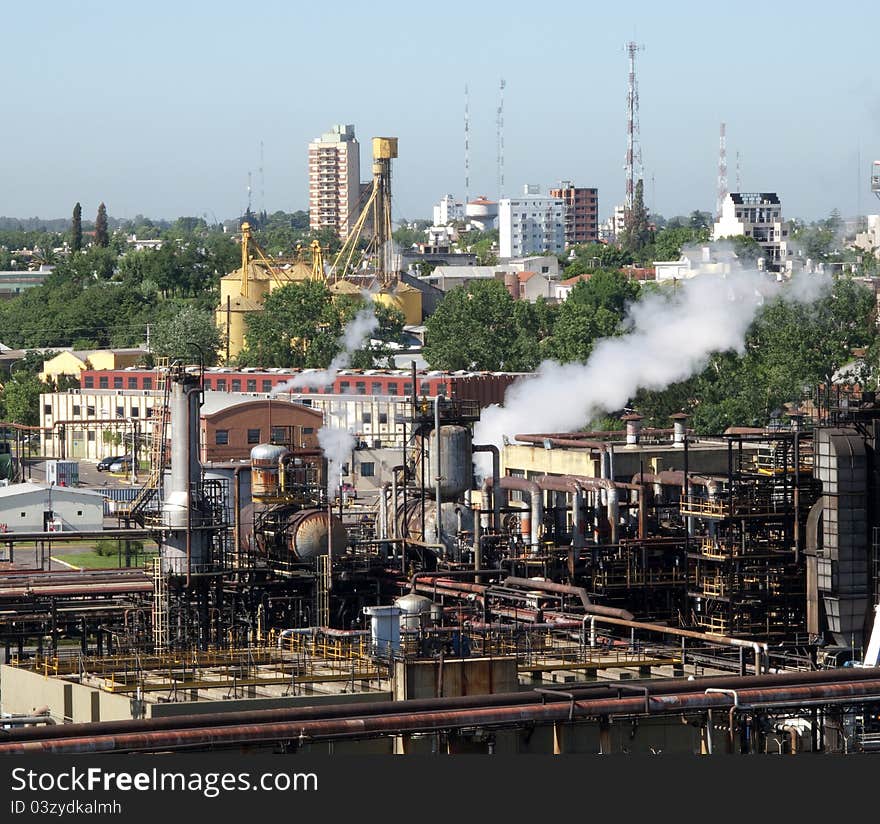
106 463
122 464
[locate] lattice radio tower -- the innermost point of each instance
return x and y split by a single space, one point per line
722 170
633 148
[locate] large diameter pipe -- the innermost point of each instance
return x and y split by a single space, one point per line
409 722
659 686
562 483
496 474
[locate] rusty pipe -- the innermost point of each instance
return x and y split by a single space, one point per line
496 474
567 589
565 483
536 502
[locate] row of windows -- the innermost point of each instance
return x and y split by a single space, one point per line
134 412
104 382
267 384
254 436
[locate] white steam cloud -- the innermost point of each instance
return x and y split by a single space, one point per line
670 338
337 445
356 333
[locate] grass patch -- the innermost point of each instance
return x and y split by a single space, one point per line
92 560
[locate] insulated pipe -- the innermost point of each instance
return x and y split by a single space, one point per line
567 589
383 510
398 721
496 474
477 546
438 523
537 503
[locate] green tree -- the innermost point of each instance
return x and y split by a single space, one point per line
76 231
102 236
21 399
479 327
636 232
184 333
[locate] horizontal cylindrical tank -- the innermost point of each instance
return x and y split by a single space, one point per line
456 461
409 522
265 462
307 534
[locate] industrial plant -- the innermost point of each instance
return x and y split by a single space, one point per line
631 590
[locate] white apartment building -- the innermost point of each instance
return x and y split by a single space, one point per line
757 215
334 180
531 223
447 211
869 240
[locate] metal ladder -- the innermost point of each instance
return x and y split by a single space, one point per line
160 608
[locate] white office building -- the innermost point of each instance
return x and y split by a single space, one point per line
531 223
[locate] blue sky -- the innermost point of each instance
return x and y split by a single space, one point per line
159 109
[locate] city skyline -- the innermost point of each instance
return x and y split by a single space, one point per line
164 115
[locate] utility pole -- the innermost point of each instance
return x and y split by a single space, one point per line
499 125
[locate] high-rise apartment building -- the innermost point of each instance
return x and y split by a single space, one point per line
334 180
757 215
530 223
581 213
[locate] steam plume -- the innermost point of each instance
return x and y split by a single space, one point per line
669 339
337 445
356 333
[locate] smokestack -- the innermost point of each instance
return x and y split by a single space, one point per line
633 428
679 428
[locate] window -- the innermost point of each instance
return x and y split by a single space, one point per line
221 437
47 408
376 388
267 386
24 514
308 430
344 387
207 383
89 382
135 412
117 382
252 385
253 436
132 383
90 411
148 383
383 417
360 387
90 434
392 387
103 383
279 435
366 417
407 389
221 384
120 411
368 470
79 512
236 385
425 388
77 410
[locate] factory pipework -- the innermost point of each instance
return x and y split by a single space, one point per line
531 489
496 474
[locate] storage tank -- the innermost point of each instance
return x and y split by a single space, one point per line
415 610
456 461
307 535
265 458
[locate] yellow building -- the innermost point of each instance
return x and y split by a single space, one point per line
71 363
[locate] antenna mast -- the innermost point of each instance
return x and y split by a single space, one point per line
467 148
633 147
722 170
500 128
262 183
249 192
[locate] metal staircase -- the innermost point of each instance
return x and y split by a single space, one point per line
140 508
